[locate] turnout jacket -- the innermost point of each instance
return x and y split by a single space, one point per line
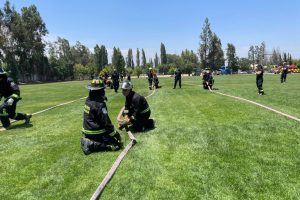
95 117
115 77
9 89
136 106
178 74
259 73
285 69
207 77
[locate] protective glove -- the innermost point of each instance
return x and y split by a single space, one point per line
10 101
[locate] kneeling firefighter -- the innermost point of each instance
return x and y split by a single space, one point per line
11 92
137 111
98 131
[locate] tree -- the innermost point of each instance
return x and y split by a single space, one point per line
215 57
81 54
205 40
143 59
100 57
129 59
231 57
118 61
21 41
138 71
244 64
189 61
137 57
163 54
156 60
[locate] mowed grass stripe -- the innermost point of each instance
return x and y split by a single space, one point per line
218 152
179 161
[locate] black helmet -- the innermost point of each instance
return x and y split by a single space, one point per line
2 71
96 84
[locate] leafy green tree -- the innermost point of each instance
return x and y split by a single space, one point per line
231 57
138 58
205 40
21 41
66 57
100 57
163 54
81 54
138 71
244 64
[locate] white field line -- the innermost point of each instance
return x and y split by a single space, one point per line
50 108
257 104
117 163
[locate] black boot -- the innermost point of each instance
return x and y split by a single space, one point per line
86 145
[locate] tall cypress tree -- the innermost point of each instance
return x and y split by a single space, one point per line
205 39
143 58
163 54
137 57
231 57
104 57
129 59
156 60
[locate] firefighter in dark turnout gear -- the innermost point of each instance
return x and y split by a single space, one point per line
177 76
150 78
115 77
98 132
208 79
284 72
260 79
137 110
11 92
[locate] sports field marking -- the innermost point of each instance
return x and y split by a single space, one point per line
50 108
117 162
258 104
255 103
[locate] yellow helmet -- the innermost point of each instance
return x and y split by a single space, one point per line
96 84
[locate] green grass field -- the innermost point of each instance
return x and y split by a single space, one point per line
204 146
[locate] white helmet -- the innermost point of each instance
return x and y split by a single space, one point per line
127 85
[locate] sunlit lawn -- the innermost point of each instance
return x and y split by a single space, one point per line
204 146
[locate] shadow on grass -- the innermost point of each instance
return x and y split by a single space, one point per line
20 126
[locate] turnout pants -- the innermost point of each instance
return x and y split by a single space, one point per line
283 77
259 84
107 142
9 112
177 80
150 80
116 86
142 123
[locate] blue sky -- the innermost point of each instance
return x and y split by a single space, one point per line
177 23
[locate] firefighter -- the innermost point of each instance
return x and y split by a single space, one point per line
98 132
128 77
284 72
136 111
208 79
150 78
156 81
177 77
11 92
115 78
260 79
